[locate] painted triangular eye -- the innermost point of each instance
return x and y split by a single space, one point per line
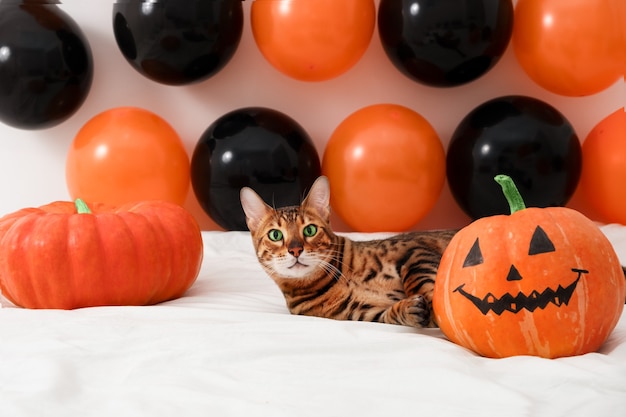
540 243
475 256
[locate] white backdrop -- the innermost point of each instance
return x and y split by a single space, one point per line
32 163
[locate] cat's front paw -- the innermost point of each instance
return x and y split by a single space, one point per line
414 311
418 312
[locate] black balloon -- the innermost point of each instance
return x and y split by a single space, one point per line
178 42
46 66
445 43
519 136
252 147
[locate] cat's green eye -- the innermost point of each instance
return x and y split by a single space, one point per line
275 235
310 230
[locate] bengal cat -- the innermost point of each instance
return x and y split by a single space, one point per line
327 275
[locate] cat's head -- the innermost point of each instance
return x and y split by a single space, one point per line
291 242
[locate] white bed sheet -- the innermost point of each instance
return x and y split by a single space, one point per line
230 348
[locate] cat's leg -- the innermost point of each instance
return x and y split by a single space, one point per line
414 311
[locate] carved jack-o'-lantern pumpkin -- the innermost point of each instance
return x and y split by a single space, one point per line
542 281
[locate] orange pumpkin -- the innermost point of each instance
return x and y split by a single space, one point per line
66 255
542 281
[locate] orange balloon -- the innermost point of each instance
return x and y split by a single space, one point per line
573 47
386 167
313 40
604 168
127 154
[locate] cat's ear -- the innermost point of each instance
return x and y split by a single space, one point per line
319 197
254 207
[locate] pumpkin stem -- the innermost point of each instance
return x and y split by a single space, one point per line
516 202
82 207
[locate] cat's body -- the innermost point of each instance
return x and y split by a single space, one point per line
327 275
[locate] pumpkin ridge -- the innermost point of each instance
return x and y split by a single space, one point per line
42 238
191 239
166 266
145 277
143 273
84 248
12 250
180 278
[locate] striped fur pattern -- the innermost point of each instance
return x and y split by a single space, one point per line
327 275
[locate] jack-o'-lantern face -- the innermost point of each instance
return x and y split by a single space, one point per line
541 281
540 243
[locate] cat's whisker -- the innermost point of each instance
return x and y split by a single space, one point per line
332 269
269 268
335 254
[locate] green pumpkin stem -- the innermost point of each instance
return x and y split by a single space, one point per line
81 207
516 202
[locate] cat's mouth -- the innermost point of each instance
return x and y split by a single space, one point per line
297 265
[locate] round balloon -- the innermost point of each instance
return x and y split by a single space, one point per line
570 48
313 40
604 170
127 154
445 43
252 147
178 42
46 66
518 136
386 167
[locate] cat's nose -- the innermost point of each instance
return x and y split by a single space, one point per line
295 250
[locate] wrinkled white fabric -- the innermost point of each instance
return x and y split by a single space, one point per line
229 347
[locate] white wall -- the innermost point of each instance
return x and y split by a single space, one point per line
32 163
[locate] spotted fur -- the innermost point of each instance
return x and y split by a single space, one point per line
327 275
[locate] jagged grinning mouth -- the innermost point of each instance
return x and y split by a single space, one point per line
560 296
